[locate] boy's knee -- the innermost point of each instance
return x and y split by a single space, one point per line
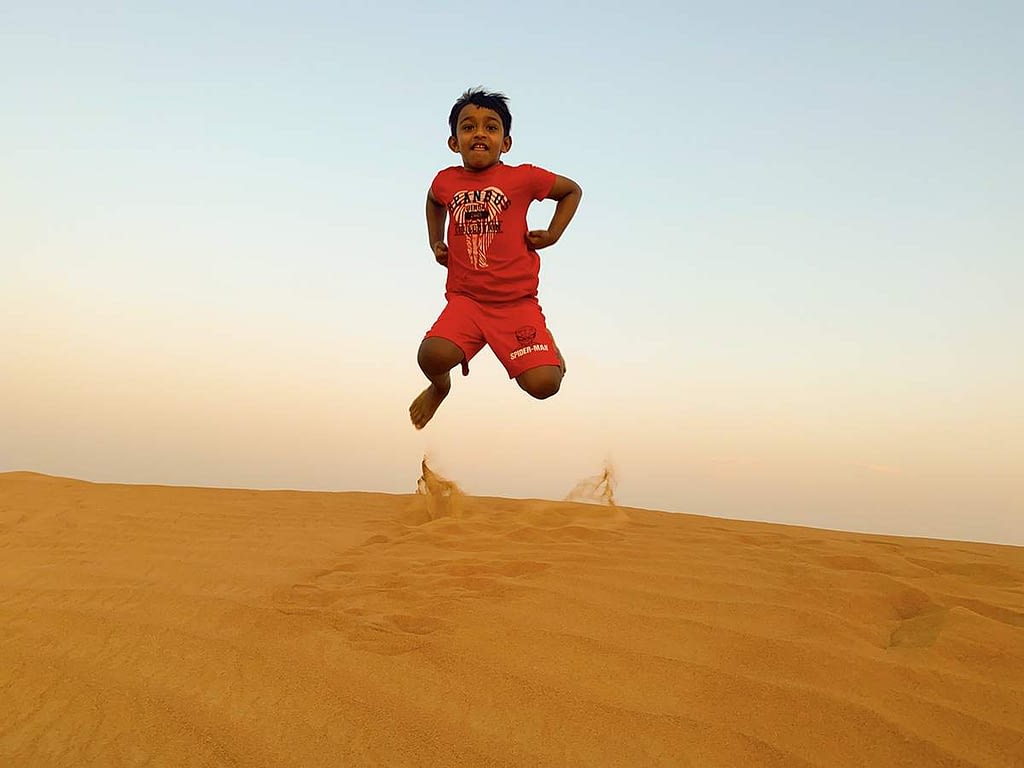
437 355
541 382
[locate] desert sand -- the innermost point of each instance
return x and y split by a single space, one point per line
172 626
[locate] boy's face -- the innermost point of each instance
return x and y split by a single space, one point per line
479 137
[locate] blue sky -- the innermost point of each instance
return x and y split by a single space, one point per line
792 291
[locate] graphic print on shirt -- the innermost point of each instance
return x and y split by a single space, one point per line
477 217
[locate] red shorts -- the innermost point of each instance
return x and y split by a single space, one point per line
515 331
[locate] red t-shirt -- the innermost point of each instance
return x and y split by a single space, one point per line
488 257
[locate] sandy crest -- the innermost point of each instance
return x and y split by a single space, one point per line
162 626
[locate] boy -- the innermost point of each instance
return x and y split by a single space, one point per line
491 258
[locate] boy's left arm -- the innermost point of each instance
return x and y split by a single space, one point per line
568 194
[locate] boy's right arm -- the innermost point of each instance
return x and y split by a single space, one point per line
436 213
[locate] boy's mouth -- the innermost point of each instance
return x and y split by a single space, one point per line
479 146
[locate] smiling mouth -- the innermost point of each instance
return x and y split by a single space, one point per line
481 147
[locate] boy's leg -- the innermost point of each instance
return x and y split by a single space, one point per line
454 338
519 336
436 358
541 382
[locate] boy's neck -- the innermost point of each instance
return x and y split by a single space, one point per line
482 170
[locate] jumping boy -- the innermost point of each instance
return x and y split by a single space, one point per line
491 257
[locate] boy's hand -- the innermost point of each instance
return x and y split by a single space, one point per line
541 238
441 253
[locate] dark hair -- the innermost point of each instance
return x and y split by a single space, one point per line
481 98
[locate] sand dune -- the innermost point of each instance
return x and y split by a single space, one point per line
161 626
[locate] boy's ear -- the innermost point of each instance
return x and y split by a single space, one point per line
506 144
453 144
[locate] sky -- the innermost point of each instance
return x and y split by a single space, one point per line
792 291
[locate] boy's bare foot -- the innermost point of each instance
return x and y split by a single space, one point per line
426 403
